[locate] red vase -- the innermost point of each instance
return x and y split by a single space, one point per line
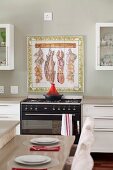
53 90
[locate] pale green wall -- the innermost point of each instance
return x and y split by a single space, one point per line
70 17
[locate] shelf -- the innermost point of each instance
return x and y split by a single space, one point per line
106 47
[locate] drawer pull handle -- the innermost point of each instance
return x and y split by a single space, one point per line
4 105
103 130
103 106
107 118
78 126
4 117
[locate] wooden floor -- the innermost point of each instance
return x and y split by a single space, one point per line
103 161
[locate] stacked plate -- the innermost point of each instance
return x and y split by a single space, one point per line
32 159
44 141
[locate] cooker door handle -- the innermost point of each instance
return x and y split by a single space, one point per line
31 114
78 126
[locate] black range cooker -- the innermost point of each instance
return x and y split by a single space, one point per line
40 116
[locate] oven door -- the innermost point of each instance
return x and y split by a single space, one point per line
47 124
41 127
43 124
39 124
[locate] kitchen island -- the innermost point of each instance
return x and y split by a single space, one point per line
20 145
7 131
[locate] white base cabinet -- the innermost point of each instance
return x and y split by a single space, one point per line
103 131
103 141
10 112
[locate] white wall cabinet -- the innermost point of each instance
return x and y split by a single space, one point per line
11 112
104 46
103 131
6 47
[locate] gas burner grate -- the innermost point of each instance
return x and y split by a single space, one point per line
40 100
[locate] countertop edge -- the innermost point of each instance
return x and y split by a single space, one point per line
12 125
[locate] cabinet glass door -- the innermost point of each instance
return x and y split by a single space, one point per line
104 46
6 47
3 49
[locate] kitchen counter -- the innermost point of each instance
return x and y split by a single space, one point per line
97 100
7 131
85 100
11 99
17 147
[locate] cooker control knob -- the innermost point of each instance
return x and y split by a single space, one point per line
69 108
36 108
31 108
58 108
25 108
53 108
74 108
64 108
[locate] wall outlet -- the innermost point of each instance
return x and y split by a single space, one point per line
48 16
14 89
1 89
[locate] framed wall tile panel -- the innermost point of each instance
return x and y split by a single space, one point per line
55 59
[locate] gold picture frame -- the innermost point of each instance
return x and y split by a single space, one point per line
55 59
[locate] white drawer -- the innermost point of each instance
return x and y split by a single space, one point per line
9 117
102 123
9 109
98 110
103 141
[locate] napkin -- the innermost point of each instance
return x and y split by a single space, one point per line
45 148
29 169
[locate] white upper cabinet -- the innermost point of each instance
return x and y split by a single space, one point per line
104 46
6 47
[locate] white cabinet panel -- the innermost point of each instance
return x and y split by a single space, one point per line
103 123
103 141
98 110
10 112
103 130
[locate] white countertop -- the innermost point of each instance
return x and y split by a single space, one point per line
85 100
103 100
11 99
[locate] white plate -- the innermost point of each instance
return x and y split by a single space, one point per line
44 140
32 159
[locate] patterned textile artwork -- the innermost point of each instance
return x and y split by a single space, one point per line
55 59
